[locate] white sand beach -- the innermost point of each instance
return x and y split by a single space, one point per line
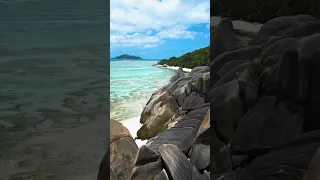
133 125
174 68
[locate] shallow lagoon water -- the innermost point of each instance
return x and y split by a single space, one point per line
132 84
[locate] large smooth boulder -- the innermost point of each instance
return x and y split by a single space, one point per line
196 175
267 116
287 161
311 121
313 172
160 115
229 66
112 176
181 93
280 26
145 155
179 167
279 48
147 171
193 101
123 150
177 84
203 84
253 132
223 161
183 133
232 74
175 118
179 74
155 99
225 99
199 70
105 170
200 150
223 38
289 78
246 53
162 175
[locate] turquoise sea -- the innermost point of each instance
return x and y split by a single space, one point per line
132 83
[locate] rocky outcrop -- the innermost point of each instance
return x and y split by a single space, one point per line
176 121
252 115
118 162
224 38
174 101
264 122
313 169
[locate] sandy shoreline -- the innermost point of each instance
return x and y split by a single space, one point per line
133 125
174 68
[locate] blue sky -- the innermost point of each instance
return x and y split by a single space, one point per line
157 29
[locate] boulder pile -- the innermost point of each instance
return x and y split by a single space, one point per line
118 161
174 121
264 101
253 114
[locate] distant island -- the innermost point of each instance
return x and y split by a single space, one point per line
126 56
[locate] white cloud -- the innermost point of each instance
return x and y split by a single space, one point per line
177 32
135 39
145 23
150 45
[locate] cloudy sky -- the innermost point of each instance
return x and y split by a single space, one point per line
157 29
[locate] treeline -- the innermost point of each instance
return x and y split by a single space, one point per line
200 57
263 10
